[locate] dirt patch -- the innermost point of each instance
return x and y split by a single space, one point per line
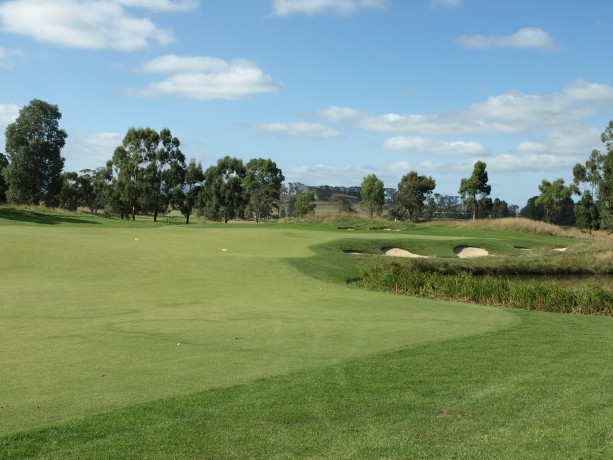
469 252
397 252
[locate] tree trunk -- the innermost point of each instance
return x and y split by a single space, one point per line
133 213
187 220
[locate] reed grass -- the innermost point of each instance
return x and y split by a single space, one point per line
407 279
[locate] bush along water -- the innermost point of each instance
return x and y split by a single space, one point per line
408 279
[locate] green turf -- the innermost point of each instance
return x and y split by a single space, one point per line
277 358
92 316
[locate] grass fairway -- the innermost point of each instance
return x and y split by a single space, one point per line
273 363
92 317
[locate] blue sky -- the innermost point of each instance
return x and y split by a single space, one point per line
331 90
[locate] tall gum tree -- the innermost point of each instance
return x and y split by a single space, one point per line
552 198
605 189
158 178
34 142
263 181
372 193
224 187
130 161
413 191
3 164
475 189
186 192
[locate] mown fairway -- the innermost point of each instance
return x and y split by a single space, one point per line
273 363
92 317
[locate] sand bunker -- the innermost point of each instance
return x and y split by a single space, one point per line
560 249
469 252
397 252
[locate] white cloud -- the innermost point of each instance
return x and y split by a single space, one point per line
8 113
287 7
445 3
530 163
6 55
529 37
85 24
172 63
160 5
295 130
204 78
510 113
320 174
334 113
581 90
532 147
420 145
83 151
571 141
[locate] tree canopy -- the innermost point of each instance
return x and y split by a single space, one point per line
224 188
305 204
372 193
3 164
34 142
263 182
475 189
552 198
189 182
413 190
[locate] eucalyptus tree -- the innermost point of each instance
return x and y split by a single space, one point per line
305 204
69 197
34 142
188 186
344 202
475 189
587 215
158 181
372 193
3 164
413 191
94 186
589 175
605 189
553 197
130 161
263 182
224 189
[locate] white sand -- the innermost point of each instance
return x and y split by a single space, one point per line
468 252
397 252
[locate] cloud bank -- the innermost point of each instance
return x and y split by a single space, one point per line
526 38
206 78
95 25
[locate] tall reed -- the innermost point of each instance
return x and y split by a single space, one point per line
549 296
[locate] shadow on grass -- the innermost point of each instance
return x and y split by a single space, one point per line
36 217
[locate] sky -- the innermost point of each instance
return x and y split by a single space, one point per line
331 90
